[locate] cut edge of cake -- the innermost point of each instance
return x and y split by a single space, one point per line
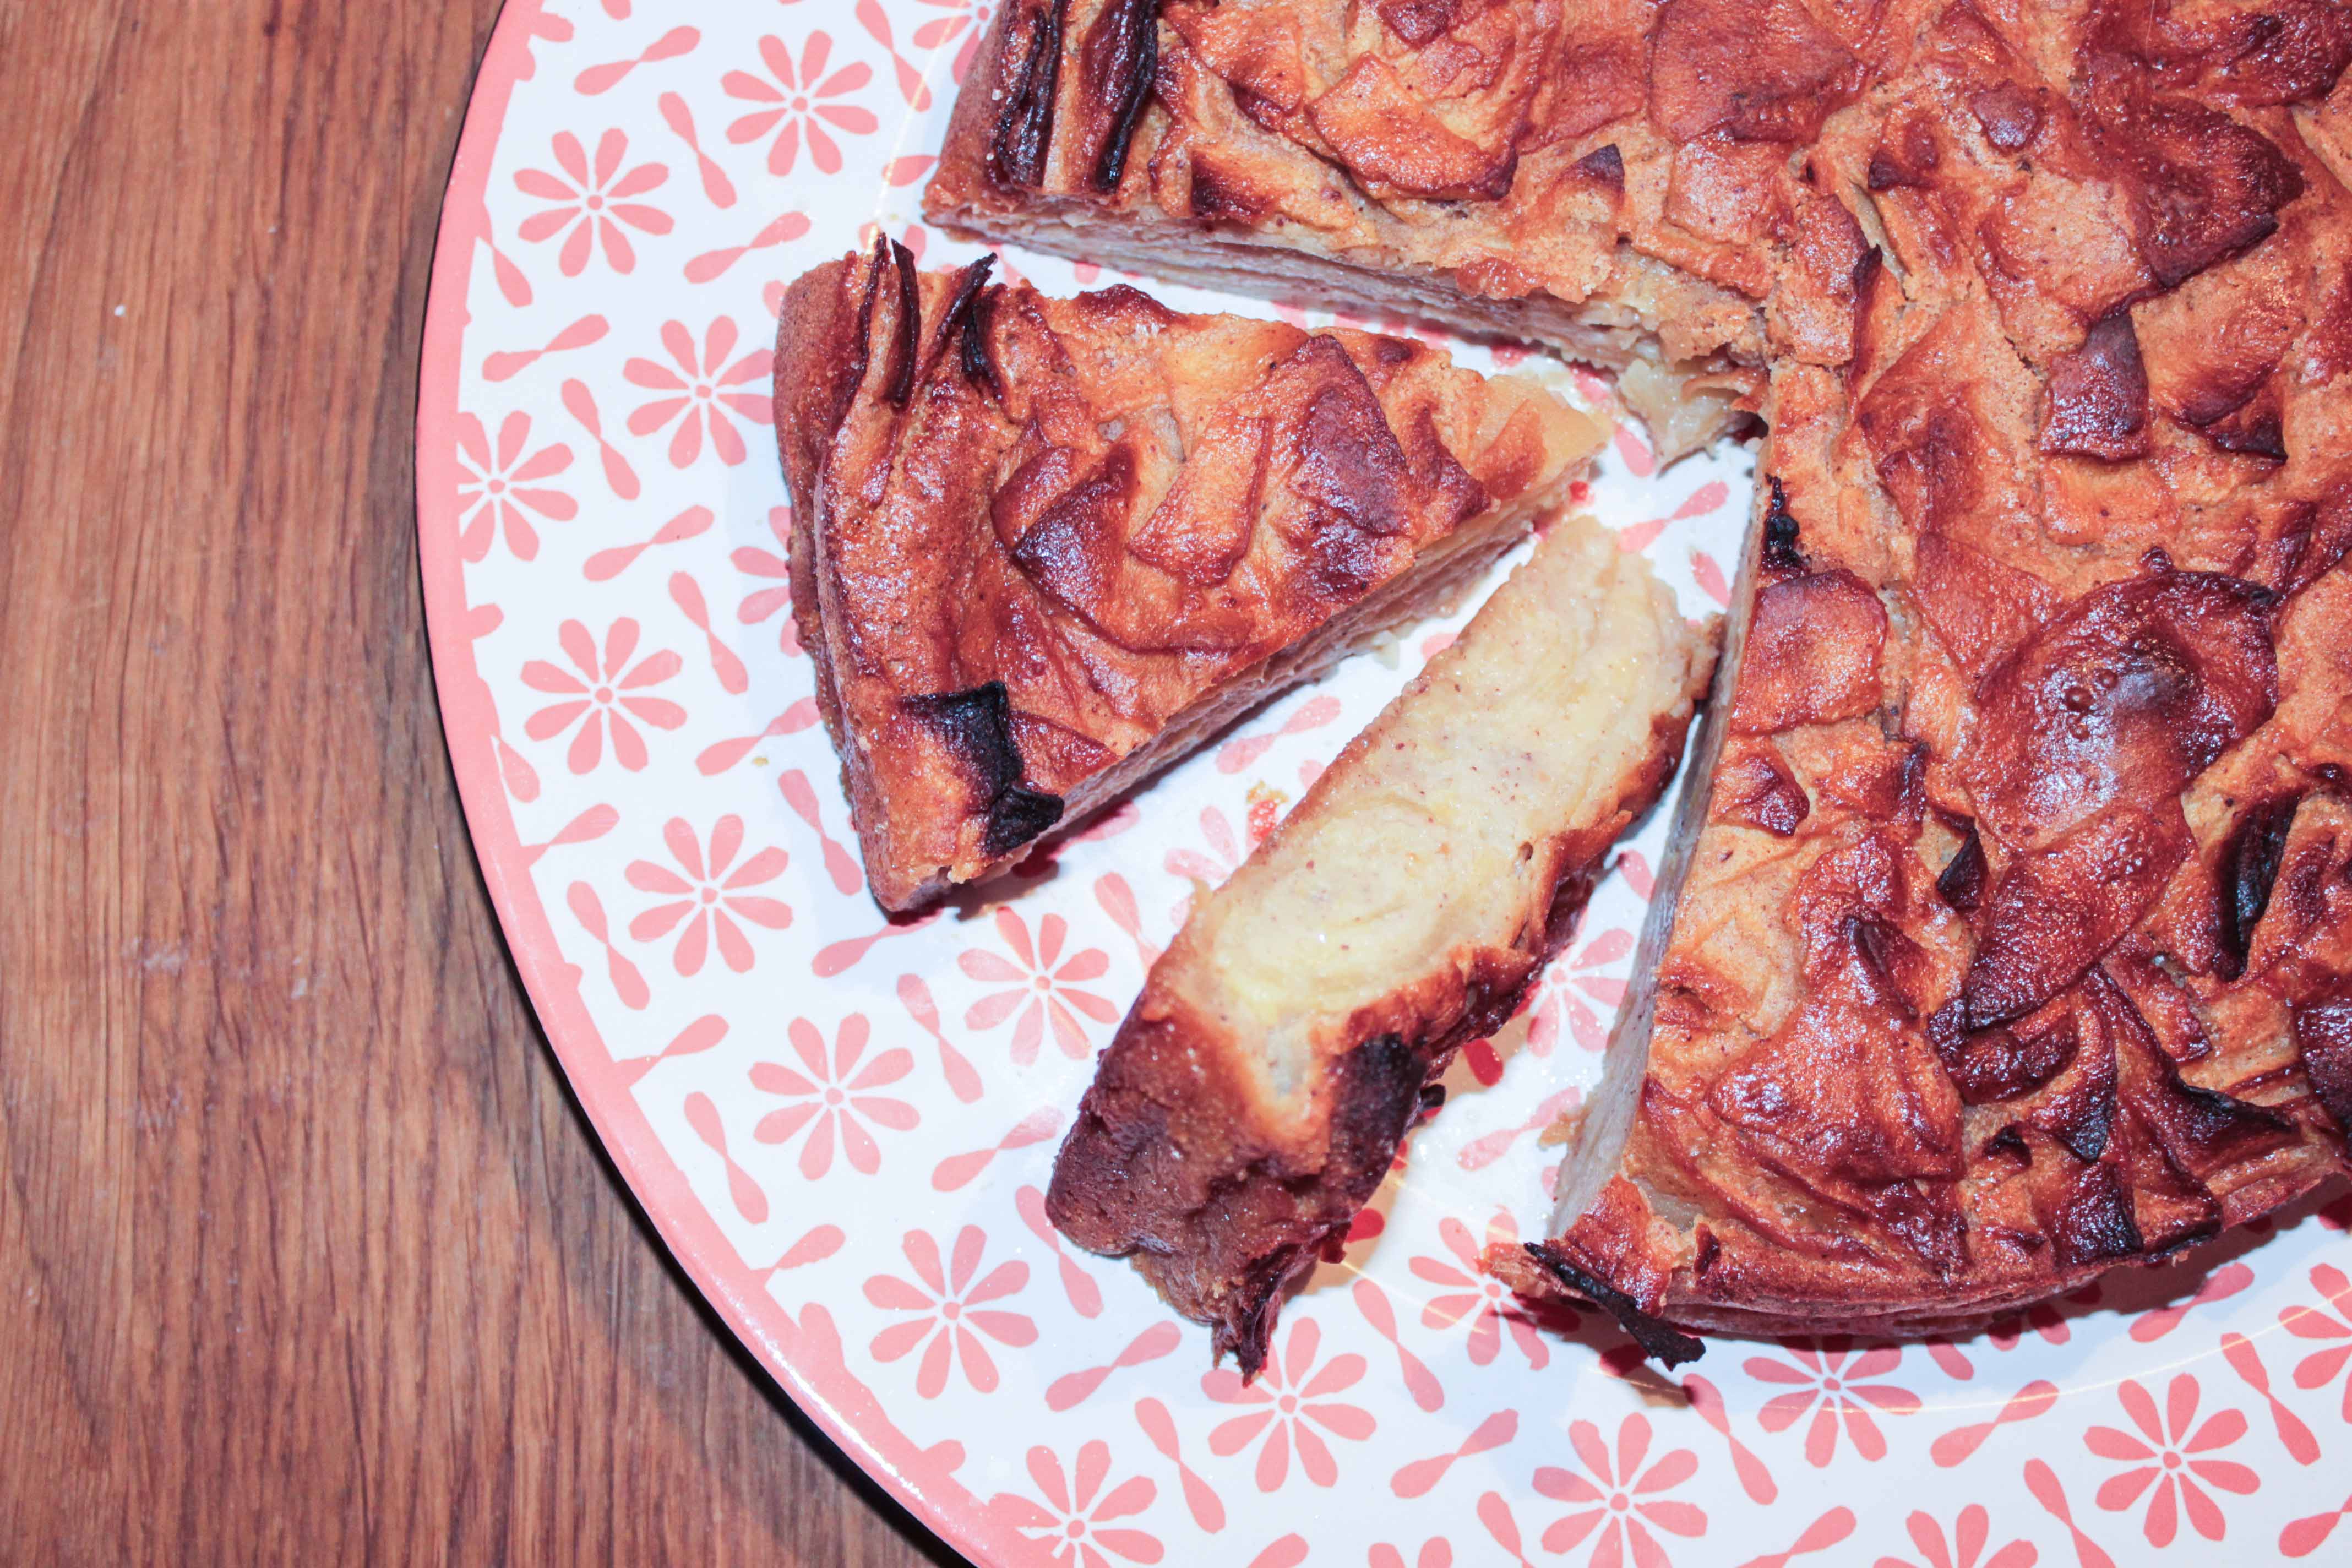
1685 401
1258 1090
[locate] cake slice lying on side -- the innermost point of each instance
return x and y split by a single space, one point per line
1041 548
1259 1087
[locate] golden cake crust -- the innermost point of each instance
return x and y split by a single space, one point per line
1258 1090
1043 546
2017 941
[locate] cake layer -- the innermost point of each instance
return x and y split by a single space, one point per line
1041 548
1259 1087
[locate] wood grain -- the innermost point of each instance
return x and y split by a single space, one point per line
305 1253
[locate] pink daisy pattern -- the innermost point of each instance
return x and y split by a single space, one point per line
1294 1408
602 691
500 489
702 389
2333 1329
522 533
1827 1379
1572 988
1469 1294
595 205
831 1096
965 21
1964 1548
2005 1333
707 895
1219 856
797 99
2168 1461
1041 986
951 1311
773 568
1620 1498
1436 1553
1074 1514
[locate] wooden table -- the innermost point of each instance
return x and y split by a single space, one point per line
305 1253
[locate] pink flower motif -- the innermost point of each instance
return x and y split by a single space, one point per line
2004 1333
606 691
1038 991
2166 1459
950 1305
966 19
1620 1499
1291 1394
1826 1378
1969 1534
497 490
698 389
1071 1517
797 95
1436 1553
834 1095
710 898
1475 1297
1556 1003
775 566
2321 1368
592 203
1209 866
2043 1318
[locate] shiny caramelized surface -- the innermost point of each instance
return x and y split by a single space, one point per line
1037 532
2019 936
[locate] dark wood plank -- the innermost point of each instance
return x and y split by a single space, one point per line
305 1253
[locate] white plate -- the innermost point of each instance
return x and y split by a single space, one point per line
843 1130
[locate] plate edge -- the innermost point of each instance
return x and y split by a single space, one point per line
829 1395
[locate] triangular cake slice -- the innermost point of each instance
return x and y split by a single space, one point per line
1260 1086
1044 547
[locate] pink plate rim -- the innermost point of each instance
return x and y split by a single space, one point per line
804 1358
811 1340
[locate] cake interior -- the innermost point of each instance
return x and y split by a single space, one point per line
1436 844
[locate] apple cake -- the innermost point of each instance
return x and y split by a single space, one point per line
1260 1086
2009 937
1041 548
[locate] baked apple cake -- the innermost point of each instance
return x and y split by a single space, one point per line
2011 936
1041 548
1259 1087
